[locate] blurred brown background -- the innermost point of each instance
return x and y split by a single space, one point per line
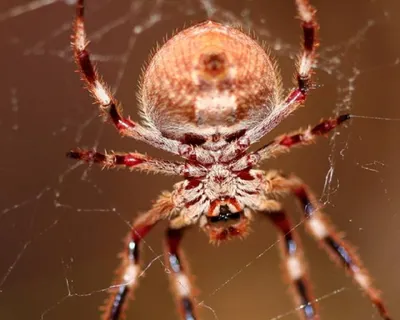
61 226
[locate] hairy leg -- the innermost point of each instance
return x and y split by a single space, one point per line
109 106
285 142
292 256
133 161
306 62
179 275
130 271
323 231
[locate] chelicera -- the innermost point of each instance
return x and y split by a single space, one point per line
207 94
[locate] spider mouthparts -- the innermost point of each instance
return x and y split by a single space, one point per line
219 234
226 225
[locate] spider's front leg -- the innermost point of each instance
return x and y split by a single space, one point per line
108 104
179 274
292 256
133 161
305 65
130 270
285 142
323 231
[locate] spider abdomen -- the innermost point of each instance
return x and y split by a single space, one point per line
208 79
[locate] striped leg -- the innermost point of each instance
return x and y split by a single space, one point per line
285 142
294 265
179 275
133 161
109 106
341 251
307 58
305 65
130 270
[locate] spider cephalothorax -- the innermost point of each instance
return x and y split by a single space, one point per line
207 95
220 199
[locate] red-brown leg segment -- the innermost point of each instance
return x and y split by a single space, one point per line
341 251
90 75
308 57
108 104
129 271
283 143
294 266
130 160
305 65
179 275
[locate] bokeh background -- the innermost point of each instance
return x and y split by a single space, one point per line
62 225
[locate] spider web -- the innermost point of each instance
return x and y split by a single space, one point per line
61 223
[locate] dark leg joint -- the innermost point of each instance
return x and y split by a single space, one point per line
306 303
341 252
80 9
309 35
115 116
187 306
305 201
304 84
118 302
174 237
327 125
343 118
86 65
288 141
119 122
281 221
88 156
133 251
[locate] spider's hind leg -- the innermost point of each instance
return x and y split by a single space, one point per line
129 272
131 160
292 256
323 231
179 274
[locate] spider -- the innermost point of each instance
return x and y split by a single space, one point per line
207 94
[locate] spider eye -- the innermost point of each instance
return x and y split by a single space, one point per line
194 139
234 136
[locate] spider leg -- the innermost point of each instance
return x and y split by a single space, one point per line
308 57
128 160
108 104
130 271
292 255
285 142
179 274
306 62
318 225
